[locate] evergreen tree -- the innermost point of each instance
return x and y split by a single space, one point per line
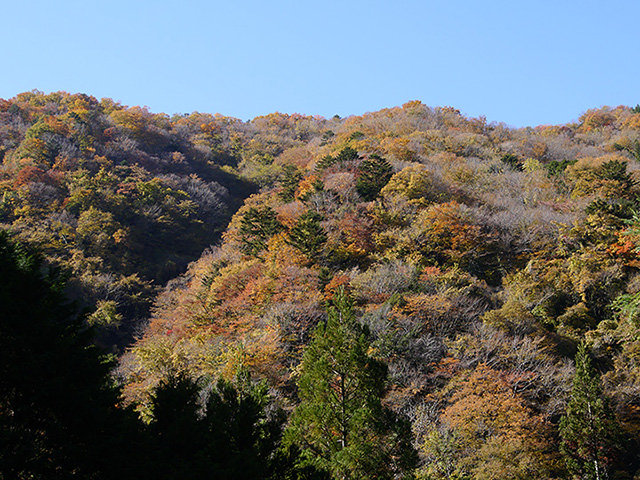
291 177
307 235
340 424
588 429
344 158
256 227
512 161
375 173
235 434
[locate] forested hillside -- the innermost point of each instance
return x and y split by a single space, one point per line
406 293
119 198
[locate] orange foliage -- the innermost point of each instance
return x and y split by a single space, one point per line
336 283
288 213
28 174
503 437
632 122
351 237
412 104
307 185
446 231
298 156
596 118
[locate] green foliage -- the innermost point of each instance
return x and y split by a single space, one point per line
121 198
291 177
374 173
555 167
344 158
89 179
308 236
633 148
256 227
512 161
234 434
340 423
58 415
616 170
327 136
589 431
627 308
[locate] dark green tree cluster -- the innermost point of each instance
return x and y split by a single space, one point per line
235 434
59 407
291 177
58 415
512 161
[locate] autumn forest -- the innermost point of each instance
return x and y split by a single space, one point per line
405 294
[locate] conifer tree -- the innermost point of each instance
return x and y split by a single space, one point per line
375 173
588 429
58 415
307 235
291 177
256 227
340 424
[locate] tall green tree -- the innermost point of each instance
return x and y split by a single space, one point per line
374 173
340 423
589 431
289 181
307 235
256 227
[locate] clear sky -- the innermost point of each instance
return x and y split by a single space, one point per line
518 62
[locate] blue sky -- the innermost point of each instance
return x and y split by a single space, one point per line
521 63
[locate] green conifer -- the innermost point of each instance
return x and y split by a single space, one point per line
340 424
588 429
289 181
307 235
256 227
375 173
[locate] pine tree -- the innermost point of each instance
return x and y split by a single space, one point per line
588 429
234 435
340 424
375 173
256 227
307 235
289 181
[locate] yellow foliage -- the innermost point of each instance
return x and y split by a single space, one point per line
398 148
596 118
584 177
632 122
500 437
414 183
306 186
280 254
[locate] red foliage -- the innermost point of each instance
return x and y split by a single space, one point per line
29 174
